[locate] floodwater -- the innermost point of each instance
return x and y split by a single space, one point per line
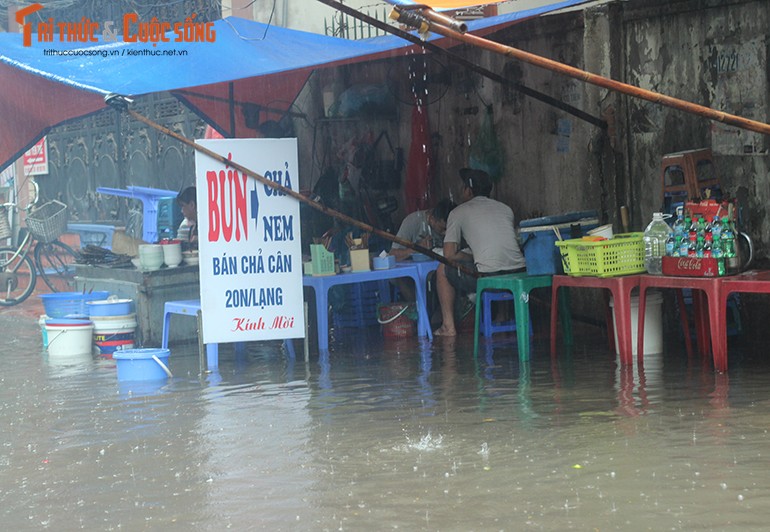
384 435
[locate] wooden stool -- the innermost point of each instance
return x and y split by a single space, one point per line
693 180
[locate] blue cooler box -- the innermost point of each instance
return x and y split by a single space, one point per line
538 239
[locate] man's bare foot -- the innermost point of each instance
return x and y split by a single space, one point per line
445 331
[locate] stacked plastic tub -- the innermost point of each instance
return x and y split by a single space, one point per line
67 330
77 323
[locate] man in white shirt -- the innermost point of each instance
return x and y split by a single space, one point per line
486 227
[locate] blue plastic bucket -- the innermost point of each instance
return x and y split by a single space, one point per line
142 364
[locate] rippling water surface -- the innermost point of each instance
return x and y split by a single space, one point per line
385 435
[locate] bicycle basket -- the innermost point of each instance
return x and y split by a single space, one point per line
48 222
5 227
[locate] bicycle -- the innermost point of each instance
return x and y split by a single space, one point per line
50 259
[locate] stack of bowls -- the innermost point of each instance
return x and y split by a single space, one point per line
172 253
191 257
151 256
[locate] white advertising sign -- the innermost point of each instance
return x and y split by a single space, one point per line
36 158
249 241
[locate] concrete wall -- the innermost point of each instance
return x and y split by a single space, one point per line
714 54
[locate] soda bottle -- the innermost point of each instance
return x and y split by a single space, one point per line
716 228
701 227
691 251
728 239
670 245
699 245
692 224
721 270
655 243
679 224
716 247
708 246
684 245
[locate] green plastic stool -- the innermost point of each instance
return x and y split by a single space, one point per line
520 285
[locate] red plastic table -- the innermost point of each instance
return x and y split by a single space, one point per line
708 316
753 281
620 287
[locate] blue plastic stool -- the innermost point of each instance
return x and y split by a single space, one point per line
519 286
488 327
191 307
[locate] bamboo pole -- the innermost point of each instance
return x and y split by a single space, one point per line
415 19
121 104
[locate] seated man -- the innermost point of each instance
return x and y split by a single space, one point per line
425 228
486 226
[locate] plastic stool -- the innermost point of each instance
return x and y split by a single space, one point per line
488 327
519 285
158 205
687 174
191 307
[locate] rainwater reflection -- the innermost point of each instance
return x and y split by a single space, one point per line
383 434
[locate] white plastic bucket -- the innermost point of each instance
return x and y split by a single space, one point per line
43 331
69 340
114 333
653 323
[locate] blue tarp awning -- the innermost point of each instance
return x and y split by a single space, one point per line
249 63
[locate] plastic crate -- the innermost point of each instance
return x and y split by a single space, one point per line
621 255
358 305
169 217
323 260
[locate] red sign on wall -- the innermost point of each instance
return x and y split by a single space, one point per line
36 158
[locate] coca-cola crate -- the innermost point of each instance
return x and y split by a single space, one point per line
708 209
691 266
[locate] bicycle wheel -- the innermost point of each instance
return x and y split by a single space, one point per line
55 262
17 277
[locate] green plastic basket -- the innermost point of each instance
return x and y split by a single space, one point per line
623 254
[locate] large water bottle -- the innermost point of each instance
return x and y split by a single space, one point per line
655 244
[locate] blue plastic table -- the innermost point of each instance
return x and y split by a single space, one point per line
424 268
322 284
